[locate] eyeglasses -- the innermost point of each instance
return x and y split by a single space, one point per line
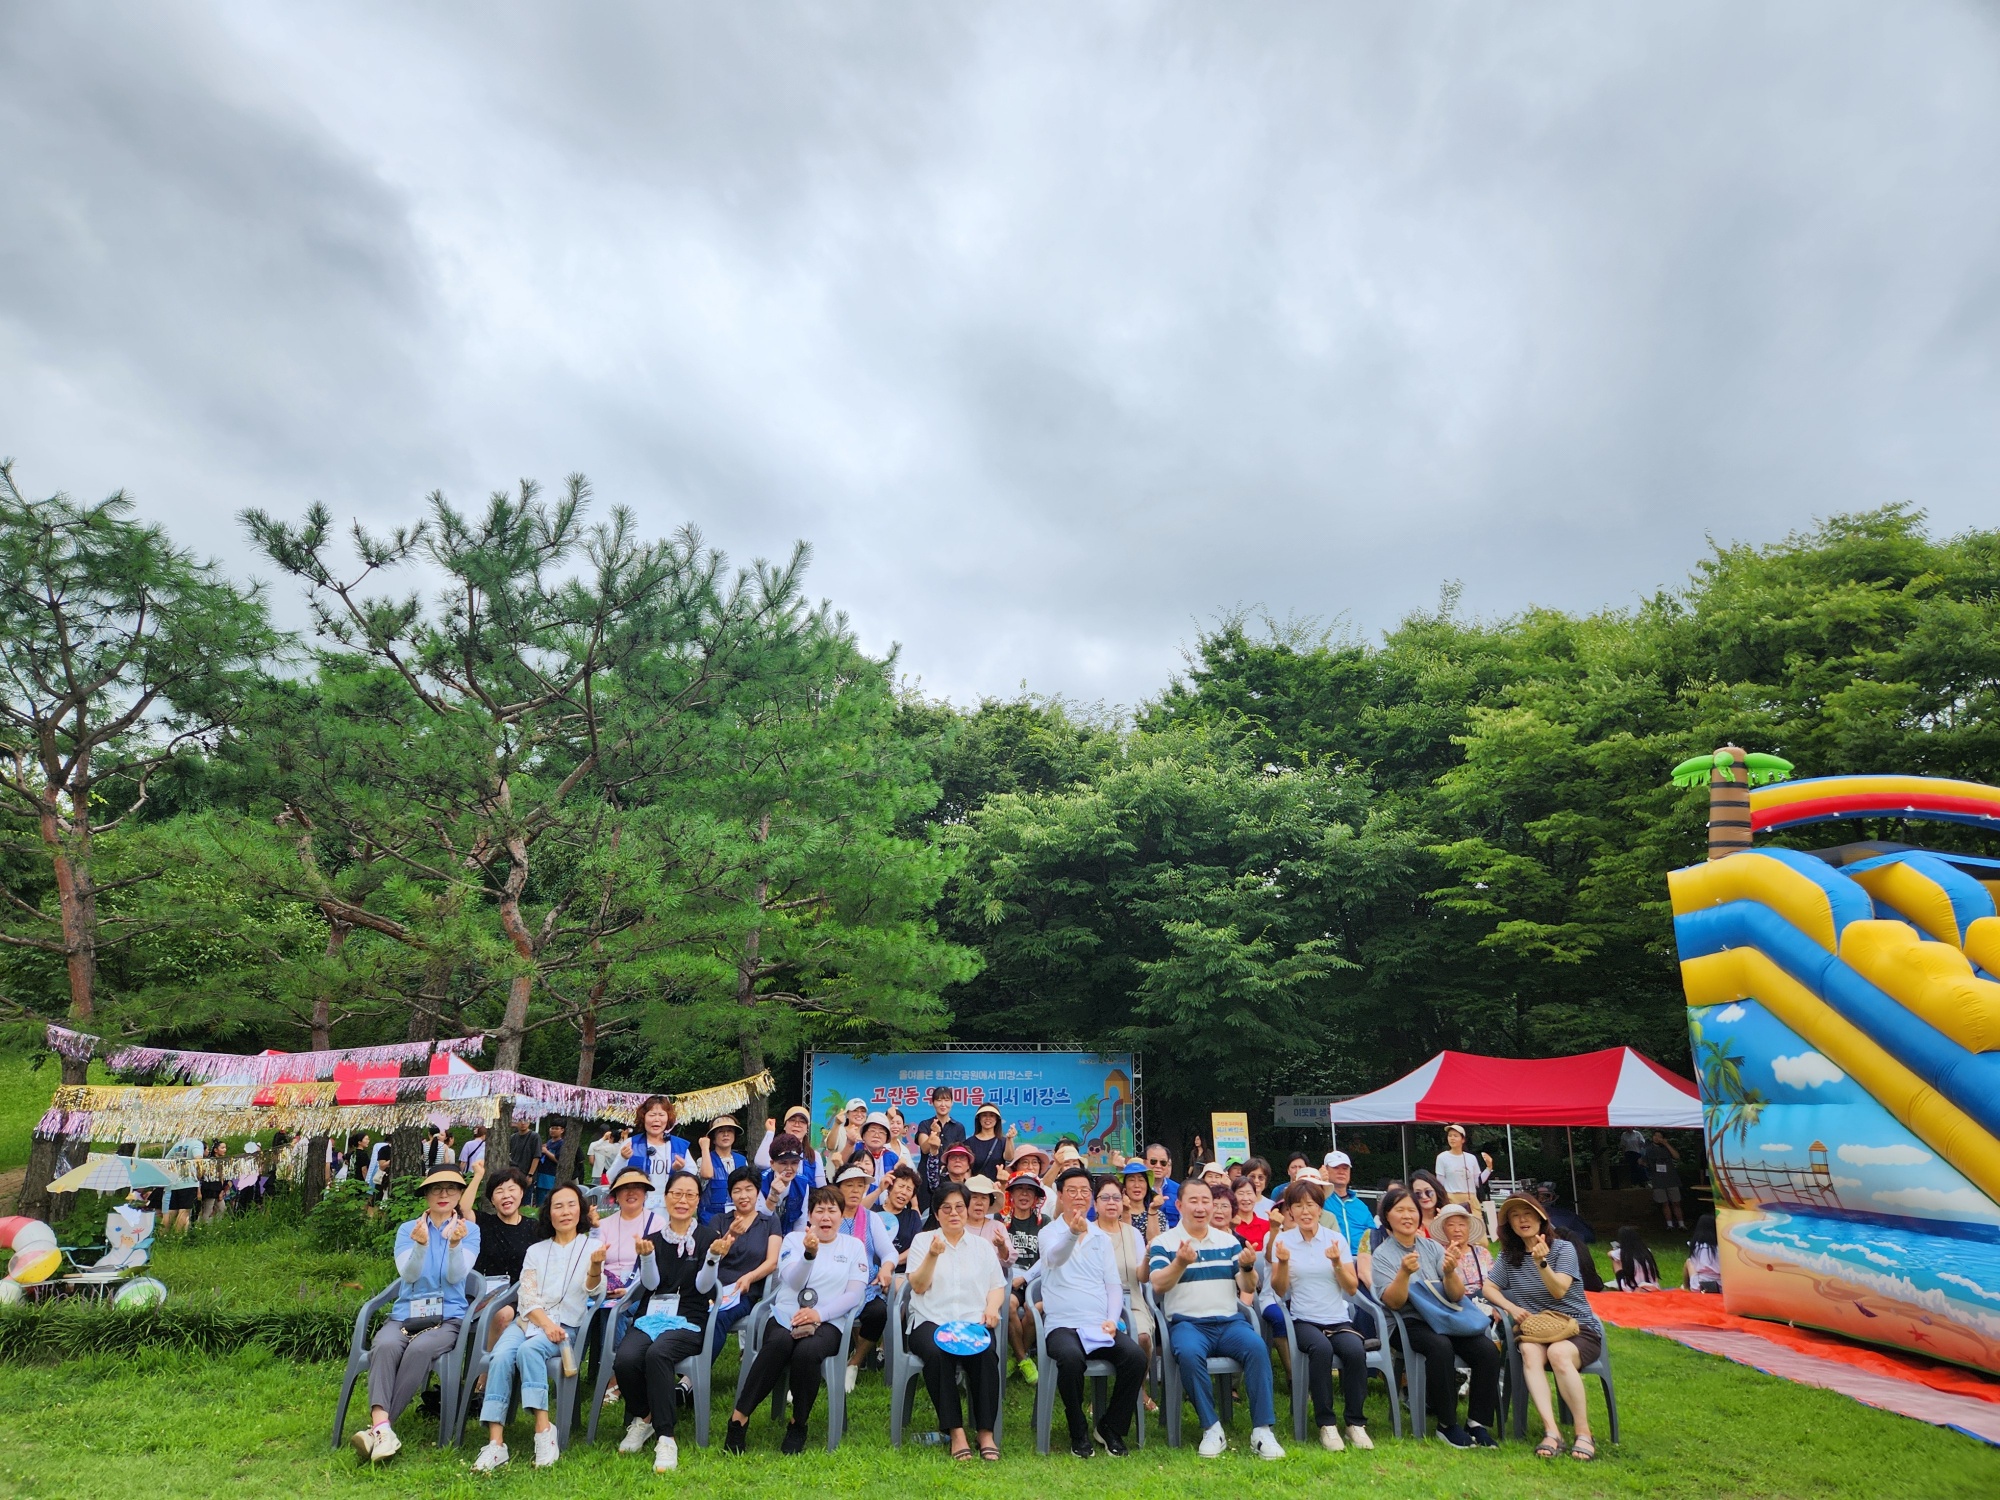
1154 1161
1420 1191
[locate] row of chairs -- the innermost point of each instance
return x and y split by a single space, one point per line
459 1369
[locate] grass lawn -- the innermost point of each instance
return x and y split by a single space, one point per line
254 1426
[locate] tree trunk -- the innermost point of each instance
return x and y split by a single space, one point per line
322 1010
431 994
312 1183
1729 805
407 1144
68 842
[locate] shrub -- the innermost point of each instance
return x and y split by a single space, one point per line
77 1330
348 1218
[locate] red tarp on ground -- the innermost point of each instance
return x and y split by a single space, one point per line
1930 1391
1616 1087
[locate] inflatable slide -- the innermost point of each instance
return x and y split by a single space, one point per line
1844 1006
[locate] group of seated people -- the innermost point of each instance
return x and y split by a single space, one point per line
805 1245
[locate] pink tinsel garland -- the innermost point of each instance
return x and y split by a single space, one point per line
287 1067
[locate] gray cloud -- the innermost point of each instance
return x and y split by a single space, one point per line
1056 329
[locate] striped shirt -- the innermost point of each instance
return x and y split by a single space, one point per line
1207 1289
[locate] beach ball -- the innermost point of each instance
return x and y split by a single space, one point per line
141 1291
10 1292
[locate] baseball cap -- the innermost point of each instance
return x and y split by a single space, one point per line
853 1104
1135 1169
786 1148
1334 1159
855 1174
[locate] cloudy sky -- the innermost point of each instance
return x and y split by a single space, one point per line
1058 329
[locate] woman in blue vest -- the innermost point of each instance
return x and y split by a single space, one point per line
656 1150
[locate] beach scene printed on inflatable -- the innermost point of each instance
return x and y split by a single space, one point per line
1844 1014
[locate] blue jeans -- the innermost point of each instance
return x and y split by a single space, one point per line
525 1349
1196 1340
725 1321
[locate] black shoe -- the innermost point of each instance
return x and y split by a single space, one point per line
1457 1436
684 1391
736 1438
1115 1446
1083 1447
1481 1438
795 1440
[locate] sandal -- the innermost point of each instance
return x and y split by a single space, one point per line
990 1452
1549 1447
962 1455
1583 1450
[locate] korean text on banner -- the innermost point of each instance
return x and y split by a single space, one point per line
1232 1137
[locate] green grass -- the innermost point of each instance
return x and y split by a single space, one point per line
256 1426
25 1091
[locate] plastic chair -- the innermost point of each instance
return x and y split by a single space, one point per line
481 1357
1170 1374
833 1375
1415 1368
1518 1400
697 1369
1380 1361
1098 1372
904 1372
606 1349
449 1367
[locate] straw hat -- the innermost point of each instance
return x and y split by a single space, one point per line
631 1177
443 1177
1526 1202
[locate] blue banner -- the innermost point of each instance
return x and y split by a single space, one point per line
1044 1096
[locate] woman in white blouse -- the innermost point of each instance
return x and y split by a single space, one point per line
1312 1270
559 1276
955 1277
821 1276
1461 1172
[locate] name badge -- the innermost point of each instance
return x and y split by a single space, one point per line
426 1307
730 1296
665 1305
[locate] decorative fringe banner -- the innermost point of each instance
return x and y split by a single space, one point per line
123 1112
205 1067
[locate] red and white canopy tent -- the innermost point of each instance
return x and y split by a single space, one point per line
1616 1087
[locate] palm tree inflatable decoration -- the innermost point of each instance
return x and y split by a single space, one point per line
1729 773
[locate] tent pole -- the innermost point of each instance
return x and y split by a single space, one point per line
1512 1175
1403 1136
1570 1139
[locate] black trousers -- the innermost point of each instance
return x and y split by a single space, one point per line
941 1372
1323 1347
1126 1358
645 1367
1481 1356
780 1356
872 1320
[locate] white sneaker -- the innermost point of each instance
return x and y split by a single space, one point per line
1359 1438
853 1374
363 1440
1329 1439
1213 1441
547 1449
491 1457
637 1435
1264 1443
387 1445
666 1456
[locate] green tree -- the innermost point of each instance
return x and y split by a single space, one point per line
118 653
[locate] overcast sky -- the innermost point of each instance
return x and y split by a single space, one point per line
1057 329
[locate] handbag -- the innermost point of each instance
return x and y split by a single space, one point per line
1452 1319
1547 1328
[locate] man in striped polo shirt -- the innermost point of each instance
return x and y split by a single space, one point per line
1197 1269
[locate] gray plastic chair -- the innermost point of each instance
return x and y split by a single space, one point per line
904 1372
1518 1400
834 1376
698 1369
1097 1372
1170 1375
1380 1362
448 1367
1415 1367
480 1357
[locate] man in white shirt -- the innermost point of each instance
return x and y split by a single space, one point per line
1083 1302
1196 1273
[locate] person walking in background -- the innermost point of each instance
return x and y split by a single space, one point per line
1663 1172
603 1153
1460 1174
1633 1144
548 1163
